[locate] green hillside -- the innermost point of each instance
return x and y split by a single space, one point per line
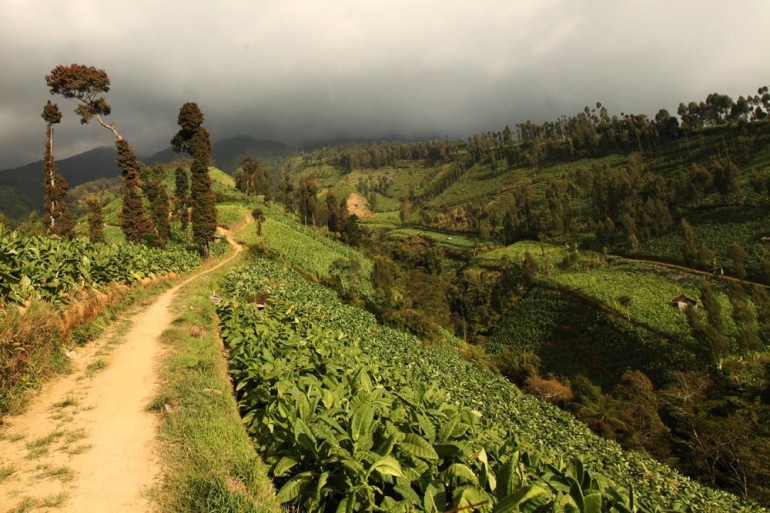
543 431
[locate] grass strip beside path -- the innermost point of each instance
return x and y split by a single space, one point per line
209 463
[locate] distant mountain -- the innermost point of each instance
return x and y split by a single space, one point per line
227 154
21 188
335 141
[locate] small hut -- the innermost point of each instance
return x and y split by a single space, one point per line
684 301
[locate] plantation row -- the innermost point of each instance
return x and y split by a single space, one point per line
305 248
51 269
716 229
562 331
353 416
639 291
649 294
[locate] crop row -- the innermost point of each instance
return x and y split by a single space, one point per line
643 293
717 229
572 338
303 247
228 215
51 269
304 357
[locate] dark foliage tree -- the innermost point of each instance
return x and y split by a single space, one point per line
95 220
136 226
739 256
529 269
86 84
713 344
689 250
157 193
253 178
726 178
384 276
259 216
308 203
744 318
194 140
638 413
332 212
182 198
761 299
57 219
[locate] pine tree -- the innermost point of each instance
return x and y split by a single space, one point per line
308 203
135 224
157 194
85 84
689 250
194 140
333 212
745 319
259 216
95 221
57 219
530 269
713 345
761 299
182 199
739 256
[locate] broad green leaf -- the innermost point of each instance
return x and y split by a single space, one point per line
469 498
447 429
511 503
283 465
435 500
362 423
415 445
404 489
427 427
508 476
592 503
387 466
293 487
460 474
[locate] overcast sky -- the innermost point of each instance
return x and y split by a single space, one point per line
297 70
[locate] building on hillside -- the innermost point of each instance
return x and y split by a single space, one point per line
684 301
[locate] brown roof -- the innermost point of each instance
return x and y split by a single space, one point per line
684 299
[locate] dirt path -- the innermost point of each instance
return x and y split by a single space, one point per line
87 442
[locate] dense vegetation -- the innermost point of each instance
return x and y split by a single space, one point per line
349 413
692 191
547 248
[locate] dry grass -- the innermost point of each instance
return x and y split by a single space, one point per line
45 332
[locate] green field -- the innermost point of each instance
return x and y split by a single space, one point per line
573 338
291 374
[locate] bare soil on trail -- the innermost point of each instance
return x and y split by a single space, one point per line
87 441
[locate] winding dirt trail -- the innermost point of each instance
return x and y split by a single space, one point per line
87 442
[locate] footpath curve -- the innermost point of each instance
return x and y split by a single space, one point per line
87 443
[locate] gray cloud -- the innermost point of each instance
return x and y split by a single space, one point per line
298 70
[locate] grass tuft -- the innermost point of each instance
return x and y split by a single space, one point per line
63 474
94 367
54 500
6 471
26 504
